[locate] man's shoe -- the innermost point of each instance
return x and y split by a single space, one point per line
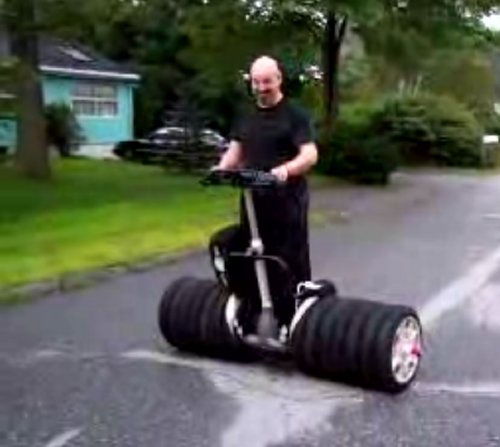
317 289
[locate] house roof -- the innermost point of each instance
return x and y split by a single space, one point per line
61 57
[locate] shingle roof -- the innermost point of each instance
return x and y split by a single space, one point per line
63 57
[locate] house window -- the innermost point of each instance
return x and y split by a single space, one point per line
92 99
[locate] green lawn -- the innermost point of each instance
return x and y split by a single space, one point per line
99 213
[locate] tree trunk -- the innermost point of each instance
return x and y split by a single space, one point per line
333 37
32 156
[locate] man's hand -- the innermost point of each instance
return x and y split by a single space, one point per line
281 172
308 156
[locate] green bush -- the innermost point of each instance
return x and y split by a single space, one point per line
356 153
430 130
491 123
370 141
63 130
3 154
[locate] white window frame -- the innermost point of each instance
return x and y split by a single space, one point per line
95 100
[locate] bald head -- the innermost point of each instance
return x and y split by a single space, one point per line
265 65
266 81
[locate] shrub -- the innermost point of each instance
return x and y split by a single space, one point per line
3 154
369 141
354 152
491 123
63 130
429 129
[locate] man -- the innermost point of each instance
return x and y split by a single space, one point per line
277 136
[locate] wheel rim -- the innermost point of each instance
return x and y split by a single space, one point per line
300 312
406 350
218 260
219 265
230 314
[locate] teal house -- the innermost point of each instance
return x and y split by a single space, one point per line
99 91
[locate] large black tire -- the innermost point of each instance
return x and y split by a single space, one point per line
351 340
191 317
165 310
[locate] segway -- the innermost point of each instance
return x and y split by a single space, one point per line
358 341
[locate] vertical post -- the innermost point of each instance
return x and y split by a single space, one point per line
258 248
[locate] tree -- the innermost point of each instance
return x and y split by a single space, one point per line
32 157
160 42
304 31
200 48
225 36
410 34
475 86
327 22
401 32
110 26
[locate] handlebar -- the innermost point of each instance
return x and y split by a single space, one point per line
242 178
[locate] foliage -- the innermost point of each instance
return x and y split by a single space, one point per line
63 129
410 34
8 73
220 67
355 151
475 87
196 50
358 80
430 129
370 140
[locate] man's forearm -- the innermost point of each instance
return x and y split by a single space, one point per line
231 158
304 161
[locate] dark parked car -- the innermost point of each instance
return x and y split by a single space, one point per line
174 145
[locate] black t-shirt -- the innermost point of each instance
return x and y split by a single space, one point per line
271 136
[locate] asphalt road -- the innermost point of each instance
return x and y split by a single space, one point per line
88 368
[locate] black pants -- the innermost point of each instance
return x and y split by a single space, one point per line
282 219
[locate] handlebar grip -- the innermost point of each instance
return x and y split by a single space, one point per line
241 177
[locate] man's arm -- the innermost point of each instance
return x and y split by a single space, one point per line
304 161
232 157
303 138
